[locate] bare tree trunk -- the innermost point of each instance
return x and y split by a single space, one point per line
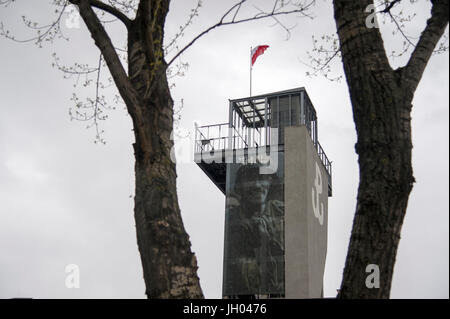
169 266
382 102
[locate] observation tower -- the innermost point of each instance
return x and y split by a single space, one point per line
268 162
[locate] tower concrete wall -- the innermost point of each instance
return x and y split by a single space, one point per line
306 215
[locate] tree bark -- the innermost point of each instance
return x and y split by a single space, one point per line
169 266
382 101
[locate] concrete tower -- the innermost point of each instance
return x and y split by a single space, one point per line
268 162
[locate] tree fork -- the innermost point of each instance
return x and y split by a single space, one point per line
382 101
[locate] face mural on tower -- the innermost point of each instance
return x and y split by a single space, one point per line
254 231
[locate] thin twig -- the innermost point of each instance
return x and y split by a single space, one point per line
390 6
39 37
400 29
222 23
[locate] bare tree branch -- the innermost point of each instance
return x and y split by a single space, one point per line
324 52
103 42
107 8
399 22
194 13
51 30
76 69
436 25
236 12
278 21
390 5
97 100
237 7
400 29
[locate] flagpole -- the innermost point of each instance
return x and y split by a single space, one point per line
251 71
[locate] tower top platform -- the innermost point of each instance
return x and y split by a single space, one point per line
252 122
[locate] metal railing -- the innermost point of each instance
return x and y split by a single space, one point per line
213 137
221 136
210 137
325 161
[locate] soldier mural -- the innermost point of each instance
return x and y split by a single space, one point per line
255 232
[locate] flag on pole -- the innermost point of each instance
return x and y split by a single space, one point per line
256 52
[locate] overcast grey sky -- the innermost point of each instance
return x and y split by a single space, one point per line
65 200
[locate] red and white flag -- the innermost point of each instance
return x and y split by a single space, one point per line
256 52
